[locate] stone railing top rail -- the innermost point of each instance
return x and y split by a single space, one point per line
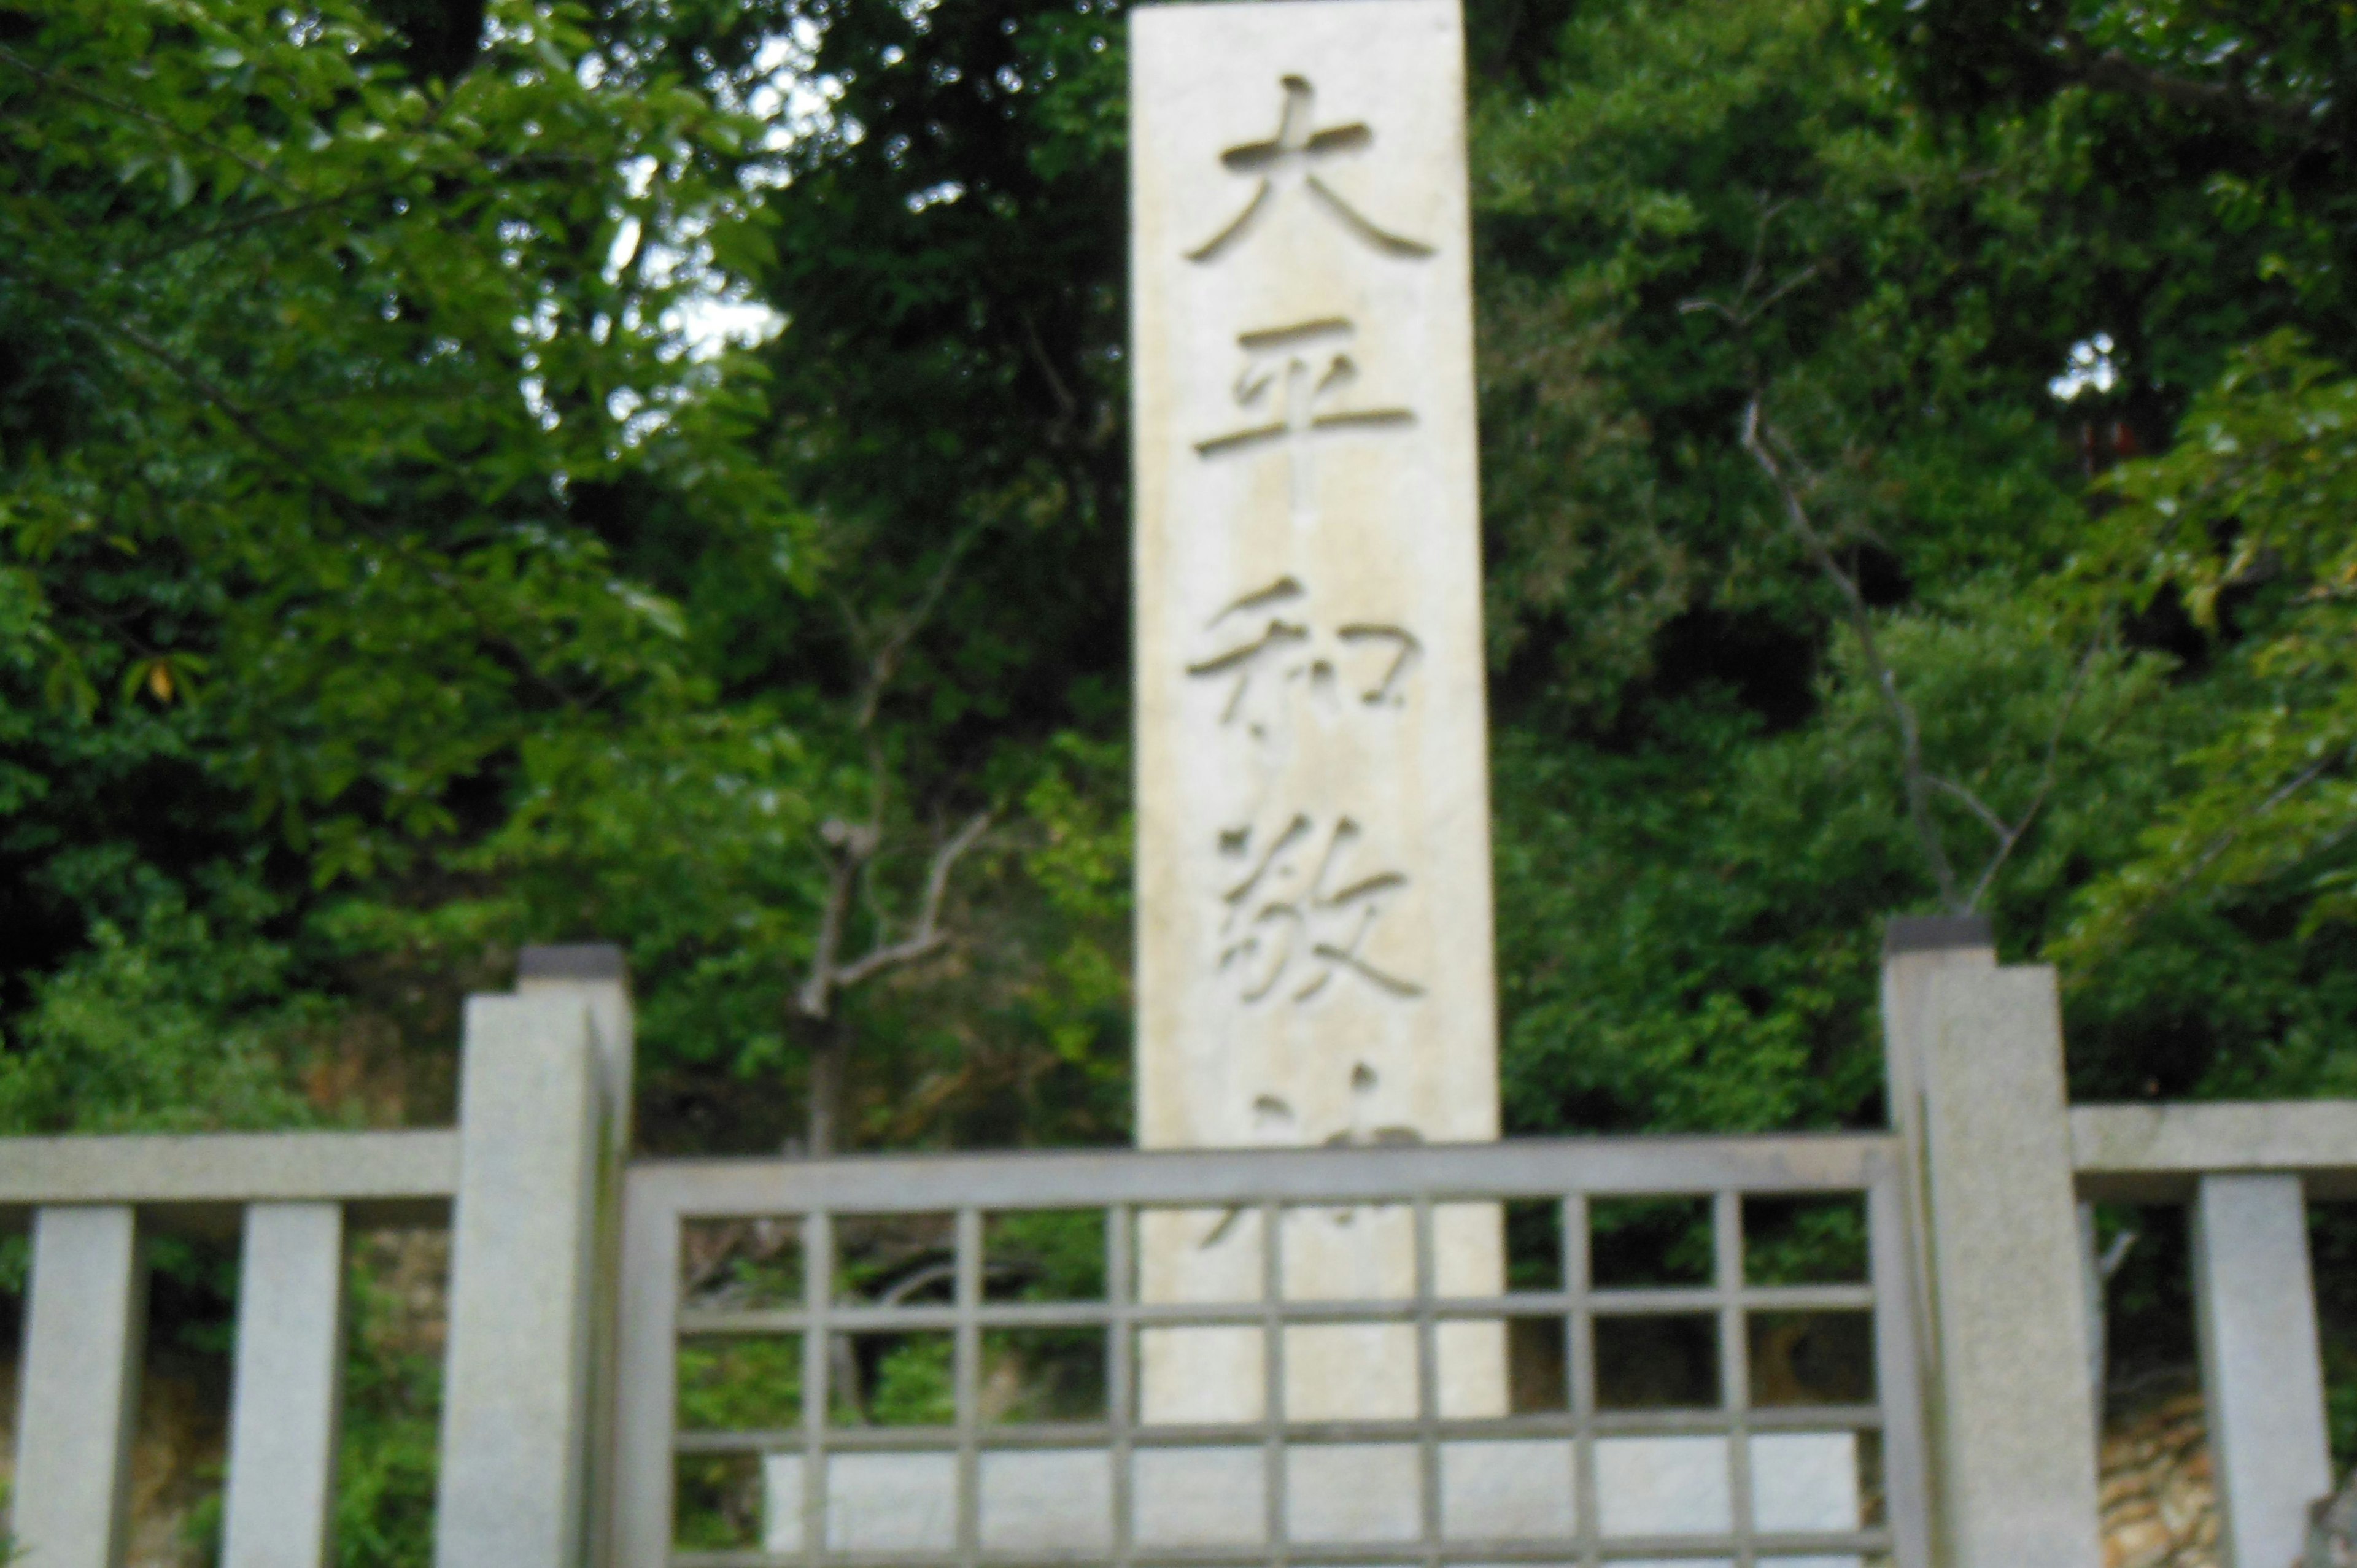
386 1177
2153 1154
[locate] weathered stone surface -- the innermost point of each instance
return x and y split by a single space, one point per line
1801 1482
1976 1054
1663 1486
1507 1490
516 1415
2256 1301
1353 1492
1805 1481
278 1507
1315 943
1049 1499
1198 1497
891 1502
78 1387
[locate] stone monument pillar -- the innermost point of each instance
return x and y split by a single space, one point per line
1314 943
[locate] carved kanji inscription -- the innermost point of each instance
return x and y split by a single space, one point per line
1289 160
1314 946
1272 657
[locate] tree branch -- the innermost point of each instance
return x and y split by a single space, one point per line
854 847
885 662
2110 70
852 850
1973 803
254 220
1056 387
1742 313
2009 837
51 79
231 410
928 938
1885 680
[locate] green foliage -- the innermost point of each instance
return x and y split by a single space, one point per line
740 1385
300 294
1693 936
2247 522
913 1386
1050 1255
308 373
372 535
389 1458
173 1027
1804 1242
1685 210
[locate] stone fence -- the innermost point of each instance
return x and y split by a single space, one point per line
527 1183
1974 1445
2005 1177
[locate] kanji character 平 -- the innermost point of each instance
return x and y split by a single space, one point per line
1293 376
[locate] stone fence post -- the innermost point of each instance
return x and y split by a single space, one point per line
2262 1372
543 1099
597 975
78 1394
1974 1055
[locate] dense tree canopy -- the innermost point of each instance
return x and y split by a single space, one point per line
398 567
396 571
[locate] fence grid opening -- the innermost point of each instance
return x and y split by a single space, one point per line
858 1362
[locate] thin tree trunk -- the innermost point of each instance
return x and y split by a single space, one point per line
829 1048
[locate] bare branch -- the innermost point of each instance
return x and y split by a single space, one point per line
2110 70
2282 792
1787 286
1886 680
2227 838
852 850
1973 803
1056 387
1698 303
1740 313
885 662
2115 1255
231 410
1769 212
854 847
928 938
2007 838
254 220
1750 313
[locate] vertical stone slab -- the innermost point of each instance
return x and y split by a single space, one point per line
597 976
594 976
287 1400
1978 1049
1314 959
646 1391
84 1332
1914 950
516 1402
1314 955
2262 1372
